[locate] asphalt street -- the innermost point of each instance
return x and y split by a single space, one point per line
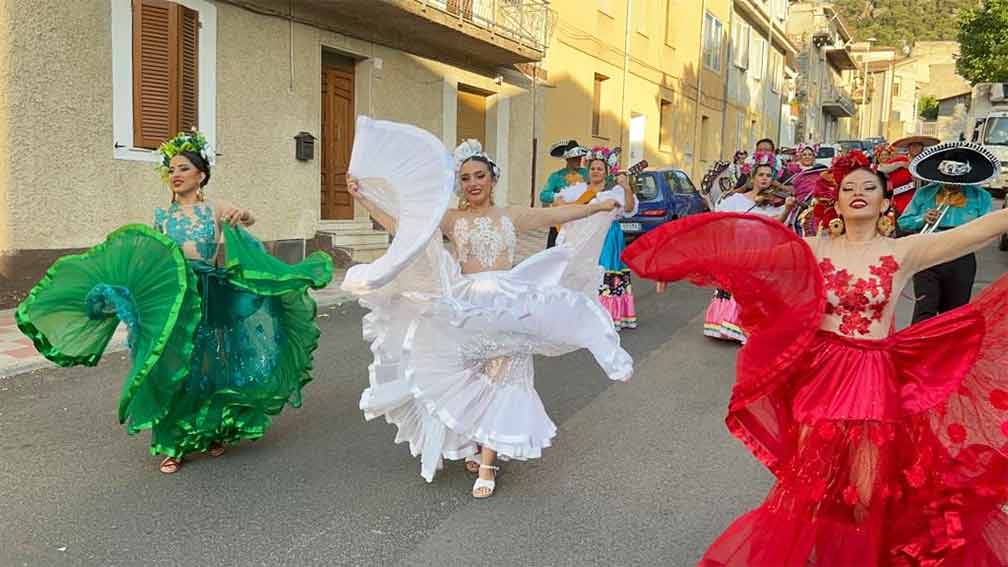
642 473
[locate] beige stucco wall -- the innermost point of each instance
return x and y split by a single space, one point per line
65 189
5 132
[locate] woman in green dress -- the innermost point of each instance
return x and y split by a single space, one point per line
221 334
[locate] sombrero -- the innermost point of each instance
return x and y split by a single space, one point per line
923 140
956 163
562 148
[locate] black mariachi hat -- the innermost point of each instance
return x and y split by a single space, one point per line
559 149
956 163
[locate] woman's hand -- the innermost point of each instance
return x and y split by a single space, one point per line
234 216
623 181
353 187
790 203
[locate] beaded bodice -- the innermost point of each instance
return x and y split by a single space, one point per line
192 227
484 243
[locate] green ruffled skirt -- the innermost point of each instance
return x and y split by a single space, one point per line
215 351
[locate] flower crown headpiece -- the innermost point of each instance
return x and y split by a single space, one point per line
802 147
843 165
609 156
467 150
763 159
192 141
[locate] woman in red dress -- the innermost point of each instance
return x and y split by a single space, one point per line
889 448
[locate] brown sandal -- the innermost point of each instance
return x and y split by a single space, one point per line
170 465
215 449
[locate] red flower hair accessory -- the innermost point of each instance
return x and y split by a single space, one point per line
842 166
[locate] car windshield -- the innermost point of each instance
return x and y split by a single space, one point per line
851 146
646 188
826 152
997 132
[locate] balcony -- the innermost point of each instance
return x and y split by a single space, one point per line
475 33
840 59
837 102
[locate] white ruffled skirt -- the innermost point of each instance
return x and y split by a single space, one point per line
457 373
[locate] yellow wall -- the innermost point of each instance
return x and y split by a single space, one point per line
664 39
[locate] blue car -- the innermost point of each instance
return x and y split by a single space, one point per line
663 195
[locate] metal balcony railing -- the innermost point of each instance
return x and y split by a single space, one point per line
528 22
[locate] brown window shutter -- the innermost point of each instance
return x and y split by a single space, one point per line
189 69
155 72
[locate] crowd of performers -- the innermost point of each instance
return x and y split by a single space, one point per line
889 447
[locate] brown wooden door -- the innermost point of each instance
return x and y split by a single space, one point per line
337 140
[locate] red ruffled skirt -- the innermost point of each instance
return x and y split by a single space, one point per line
887 452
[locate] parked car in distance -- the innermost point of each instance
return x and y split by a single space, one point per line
826 154
848 145
663 194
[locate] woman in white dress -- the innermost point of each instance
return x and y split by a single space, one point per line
453 335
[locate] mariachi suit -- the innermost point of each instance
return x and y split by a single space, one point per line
949 285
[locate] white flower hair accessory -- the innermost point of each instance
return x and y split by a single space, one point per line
467 150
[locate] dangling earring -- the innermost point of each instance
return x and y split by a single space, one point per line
836 227
885 224
199 195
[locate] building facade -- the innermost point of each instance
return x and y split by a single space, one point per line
824 64
90 87
759 57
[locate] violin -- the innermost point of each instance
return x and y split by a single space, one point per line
774 196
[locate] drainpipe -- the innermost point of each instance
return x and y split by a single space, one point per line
727 78
626 69
767 91
697 141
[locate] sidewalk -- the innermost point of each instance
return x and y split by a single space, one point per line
18 355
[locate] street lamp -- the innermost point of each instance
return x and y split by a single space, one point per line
864 85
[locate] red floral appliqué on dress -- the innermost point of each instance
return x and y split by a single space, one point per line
861 301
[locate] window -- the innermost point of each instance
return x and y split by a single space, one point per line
665 125
645 188
896 88
712 43
640 16
597 105
826 152
776 70
163 73
740 44
758 54
679 182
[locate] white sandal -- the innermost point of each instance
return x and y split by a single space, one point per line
482 483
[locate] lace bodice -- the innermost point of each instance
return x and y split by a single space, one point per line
192 227
861 282
484 243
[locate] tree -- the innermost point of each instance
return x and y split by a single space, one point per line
903 22
983 43
927 107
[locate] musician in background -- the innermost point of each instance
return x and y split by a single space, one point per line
571 174
949 199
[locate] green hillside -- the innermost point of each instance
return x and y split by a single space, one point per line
895 22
